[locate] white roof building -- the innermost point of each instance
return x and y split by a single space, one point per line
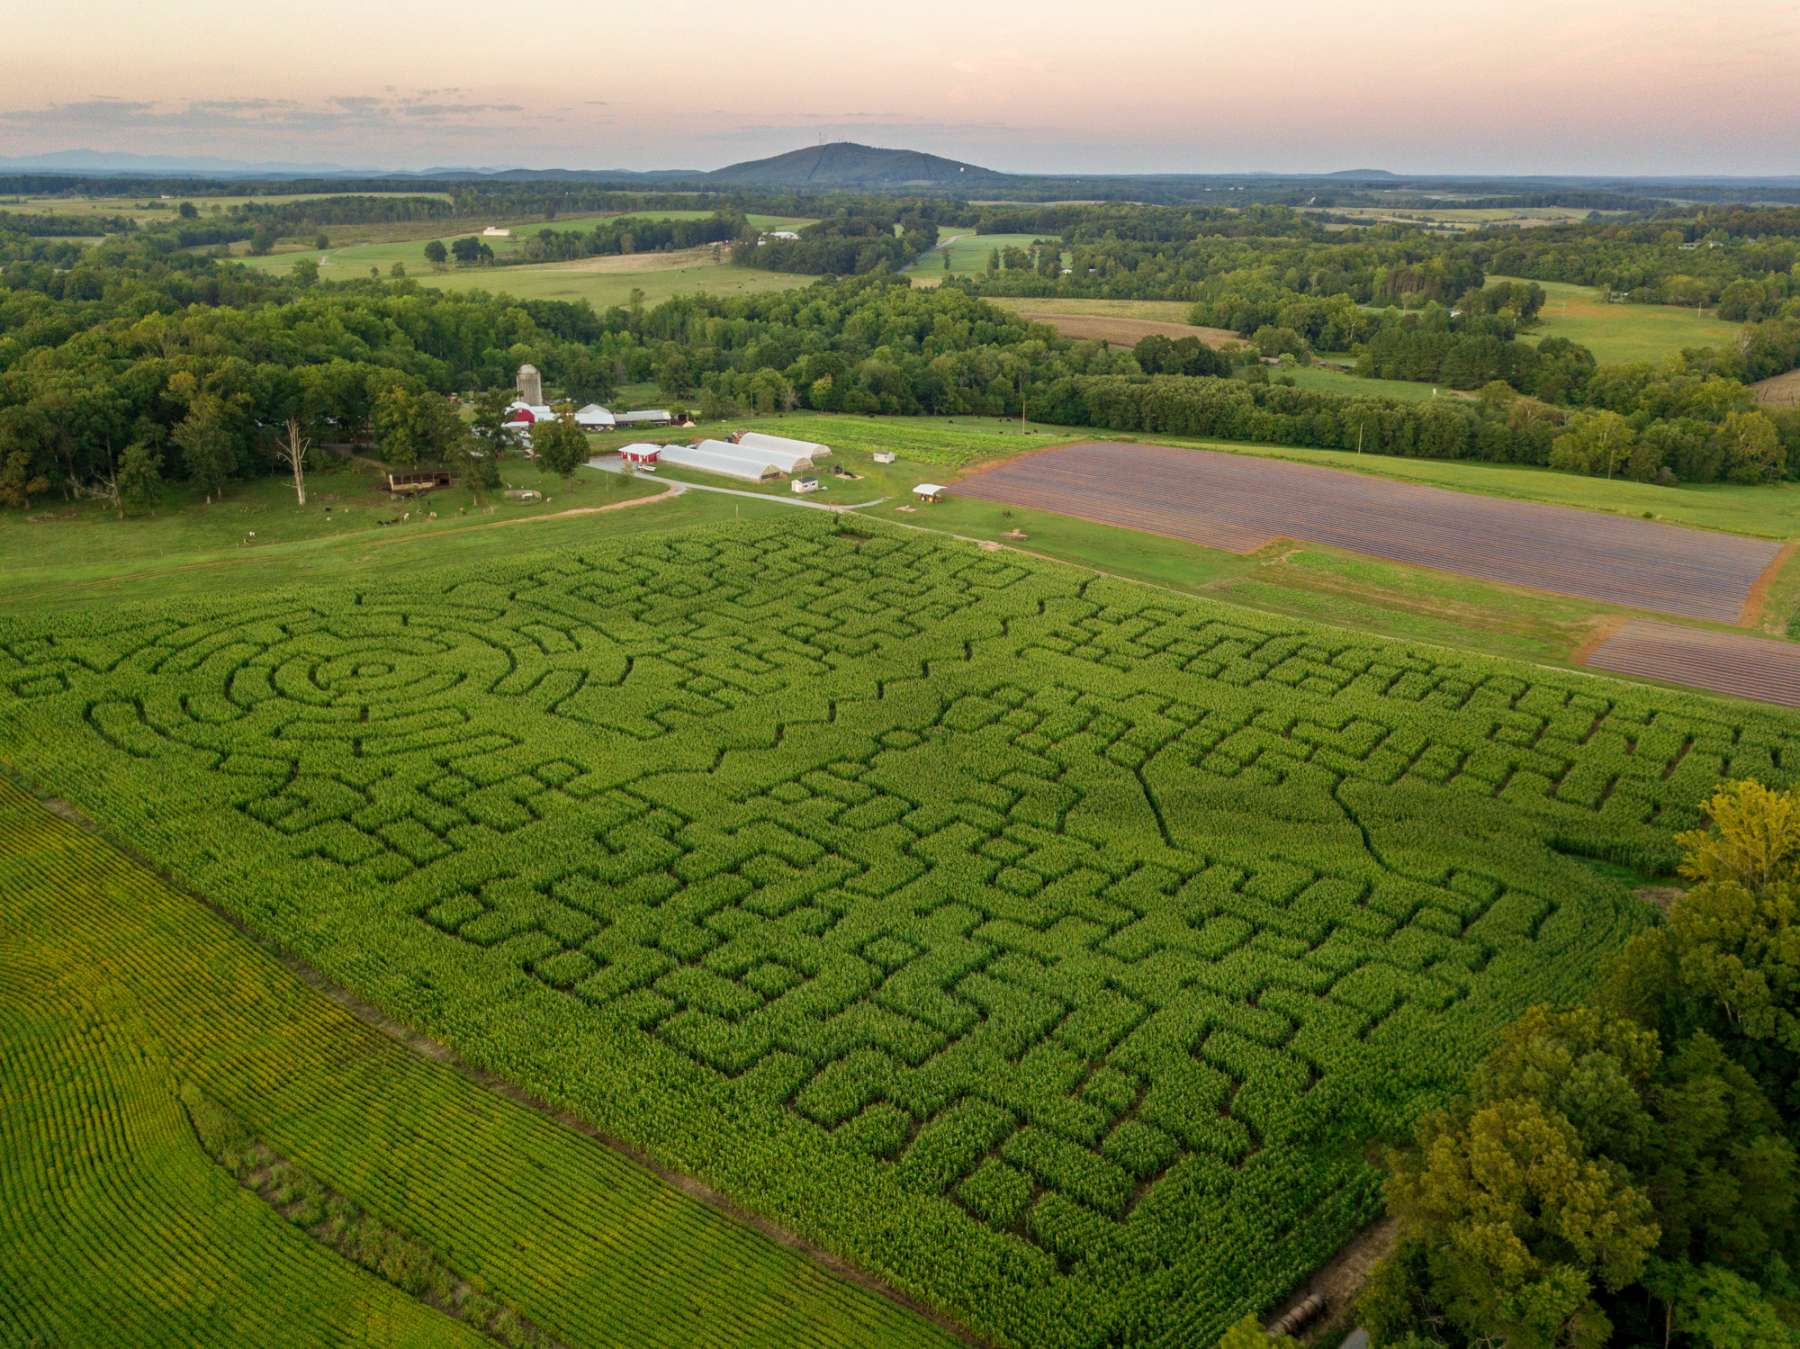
495 232
928 491
715 456
644 417
761 441
593 417
520 413
787 460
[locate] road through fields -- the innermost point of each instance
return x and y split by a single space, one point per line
1240 503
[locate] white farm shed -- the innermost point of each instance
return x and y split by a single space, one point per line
593 417
715 456
762 443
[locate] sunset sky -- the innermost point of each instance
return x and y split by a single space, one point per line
1565 86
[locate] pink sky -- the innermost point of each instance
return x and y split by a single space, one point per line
1480 86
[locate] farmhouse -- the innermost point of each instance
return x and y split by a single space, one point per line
641 455
723 458
645 417
761 443
593 417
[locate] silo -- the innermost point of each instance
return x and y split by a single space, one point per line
531 385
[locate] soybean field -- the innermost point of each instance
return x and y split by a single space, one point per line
1054 948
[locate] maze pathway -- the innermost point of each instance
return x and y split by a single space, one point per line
1749 667
1238 502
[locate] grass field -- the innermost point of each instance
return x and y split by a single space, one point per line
352 259
147 210
1779 391
1323 379
1051 945
377 1197
1619 333
968 253
1462 217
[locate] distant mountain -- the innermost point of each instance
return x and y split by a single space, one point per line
1360 173
846 164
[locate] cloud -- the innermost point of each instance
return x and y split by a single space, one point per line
336 115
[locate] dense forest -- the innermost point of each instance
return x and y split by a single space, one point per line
145 343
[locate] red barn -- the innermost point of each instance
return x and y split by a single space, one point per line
641 455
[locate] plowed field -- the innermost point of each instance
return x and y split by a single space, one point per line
1240 503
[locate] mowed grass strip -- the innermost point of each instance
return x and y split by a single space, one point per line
115 991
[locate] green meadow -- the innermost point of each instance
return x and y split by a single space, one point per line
1622 333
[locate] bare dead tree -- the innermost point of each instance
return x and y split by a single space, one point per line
292 452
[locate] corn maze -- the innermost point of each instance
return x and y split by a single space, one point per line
1049 946
119 1229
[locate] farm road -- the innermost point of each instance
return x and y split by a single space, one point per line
1240 503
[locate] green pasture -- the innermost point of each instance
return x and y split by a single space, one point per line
968 253
155 209
1323 379
1623 333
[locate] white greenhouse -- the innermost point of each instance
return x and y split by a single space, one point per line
715 456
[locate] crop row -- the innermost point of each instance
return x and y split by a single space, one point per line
119 1223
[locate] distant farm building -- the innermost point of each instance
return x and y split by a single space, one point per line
929 491
883 456
495 232
644 417
593 417
801 486
723 458
641 456
531 385
411 484
781 236
761 443
523 416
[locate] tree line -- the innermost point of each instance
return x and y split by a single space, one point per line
1625 1170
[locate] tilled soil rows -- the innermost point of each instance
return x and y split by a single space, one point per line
1749 667
1240 503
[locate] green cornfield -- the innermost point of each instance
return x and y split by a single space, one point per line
123 1003
1056 949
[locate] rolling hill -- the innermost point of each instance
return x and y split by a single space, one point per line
846 164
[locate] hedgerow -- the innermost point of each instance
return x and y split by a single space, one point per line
1050 946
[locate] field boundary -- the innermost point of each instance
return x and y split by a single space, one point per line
436 1051
1758 597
